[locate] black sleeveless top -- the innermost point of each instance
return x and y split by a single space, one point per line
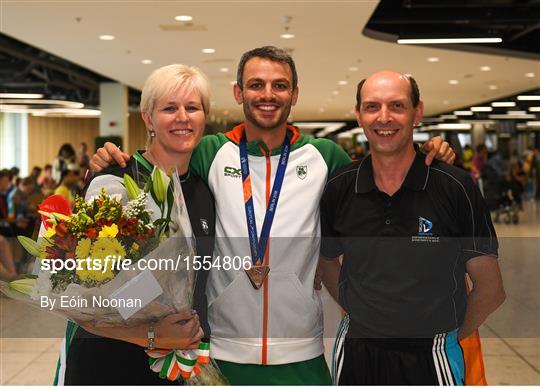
96 360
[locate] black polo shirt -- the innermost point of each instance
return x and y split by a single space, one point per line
403 272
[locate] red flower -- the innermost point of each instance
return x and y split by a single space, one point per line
55 252
66 243
61 229
91 233
54 203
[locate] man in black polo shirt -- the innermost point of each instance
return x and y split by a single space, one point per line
408 233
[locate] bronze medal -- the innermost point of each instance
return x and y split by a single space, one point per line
257 274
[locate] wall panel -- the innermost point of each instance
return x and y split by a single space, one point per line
47 134
137 133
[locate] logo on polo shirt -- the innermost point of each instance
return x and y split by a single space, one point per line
301 171
424 226
232 172
424 234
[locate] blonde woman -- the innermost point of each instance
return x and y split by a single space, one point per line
174 106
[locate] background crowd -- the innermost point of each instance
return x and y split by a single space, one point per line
20 198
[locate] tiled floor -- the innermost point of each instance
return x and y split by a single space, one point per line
510 337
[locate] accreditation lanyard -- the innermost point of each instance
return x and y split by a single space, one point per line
258 245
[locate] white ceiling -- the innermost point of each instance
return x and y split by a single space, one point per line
328 41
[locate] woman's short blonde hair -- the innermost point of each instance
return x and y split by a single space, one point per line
172 78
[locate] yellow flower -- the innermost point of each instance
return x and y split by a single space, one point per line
93 265
134 248
83 248
94 270
108 231
107 246
51 231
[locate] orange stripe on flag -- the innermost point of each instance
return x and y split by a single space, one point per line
247 189
175 372
475 374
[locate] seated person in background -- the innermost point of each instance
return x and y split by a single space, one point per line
24 207
7 266
34 175
65 160
83 160
46 181
5 226
68 185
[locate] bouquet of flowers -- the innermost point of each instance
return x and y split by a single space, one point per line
95 266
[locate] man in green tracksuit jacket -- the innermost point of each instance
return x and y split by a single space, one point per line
273 334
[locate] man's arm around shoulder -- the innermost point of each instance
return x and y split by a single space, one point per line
328 272
487 294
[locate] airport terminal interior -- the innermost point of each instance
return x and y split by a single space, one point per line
71 74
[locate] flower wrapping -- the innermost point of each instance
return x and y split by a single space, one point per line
92 259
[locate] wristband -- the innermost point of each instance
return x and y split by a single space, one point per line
151 338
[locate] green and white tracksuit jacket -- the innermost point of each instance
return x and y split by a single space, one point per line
282 321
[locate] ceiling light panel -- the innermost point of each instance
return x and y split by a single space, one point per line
503 104
512 116
52 102
528 97
449 41
454 126
183 18
20 95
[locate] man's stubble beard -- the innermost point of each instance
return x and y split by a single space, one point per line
281 119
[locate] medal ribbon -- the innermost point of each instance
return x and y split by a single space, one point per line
258 245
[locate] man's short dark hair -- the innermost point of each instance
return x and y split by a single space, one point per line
415 92
267 52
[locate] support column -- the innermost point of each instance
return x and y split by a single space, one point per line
478 135
114 111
